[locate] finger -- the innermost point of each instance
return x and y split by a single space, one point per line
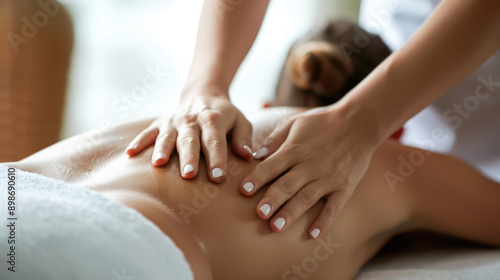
214 147
334 204
146 138
281 191
164 146
188 147
273 141
267 170
302 201
214 144
241 137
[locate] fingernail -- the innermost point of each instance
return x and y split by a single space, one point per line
248 187
158 156
246 147
216 172
188 168
131 147
260 153
265 209
315 232
279 223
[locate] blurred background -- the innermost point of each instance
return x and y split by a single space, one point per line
75 65
118 43
69 66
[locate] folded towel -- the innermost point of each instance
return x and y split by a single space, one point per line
66 232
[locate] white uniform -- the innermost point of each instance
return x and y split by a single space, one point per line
466 121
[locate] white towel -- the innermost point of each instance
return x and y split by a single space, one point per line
66 232
453 263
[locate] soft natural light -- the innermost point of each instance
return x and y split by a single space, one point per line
120 43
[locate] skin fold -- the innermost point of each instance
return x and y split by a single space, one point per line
218 229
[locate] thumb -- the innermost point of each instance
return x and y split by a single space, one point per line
241 137
274 140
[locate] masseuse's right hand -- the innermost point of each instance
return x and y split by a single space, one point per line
202 121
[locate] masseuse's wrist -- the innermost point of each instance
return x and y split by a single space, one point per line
200 88
360 120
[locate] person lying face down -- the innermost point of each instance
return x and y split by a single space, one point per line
216 228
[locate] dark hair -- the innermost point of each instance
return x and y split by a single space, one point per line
327 62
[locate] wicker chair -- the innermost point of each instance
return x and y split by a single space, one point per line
35 51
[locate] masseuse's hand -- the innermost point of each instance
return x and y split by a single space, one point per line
202 121
320 153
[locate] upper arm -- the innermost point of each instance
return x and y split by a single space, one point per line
451 197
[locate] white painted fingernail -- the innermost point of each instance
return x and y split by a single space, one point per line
158 156
279 223
265 209
216 172
248 187
315 232
260 153
188 168
246 147
131 147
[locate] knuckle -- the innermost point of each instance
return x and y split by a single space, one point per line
189 158
330 211
348 183
269 169
304 199
289 151
299 150
187 118
286 187
164 137
187 141
341 182
213 144
210 118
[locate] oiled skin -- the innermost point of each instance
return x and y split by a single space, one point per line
220 233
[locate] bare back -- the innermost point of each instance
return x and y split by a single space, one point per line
216 227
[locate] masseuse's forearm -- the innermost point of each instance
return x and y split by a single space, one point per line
227 30
455 40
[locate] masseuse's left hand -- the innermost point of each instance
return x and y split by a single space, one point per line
323 152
